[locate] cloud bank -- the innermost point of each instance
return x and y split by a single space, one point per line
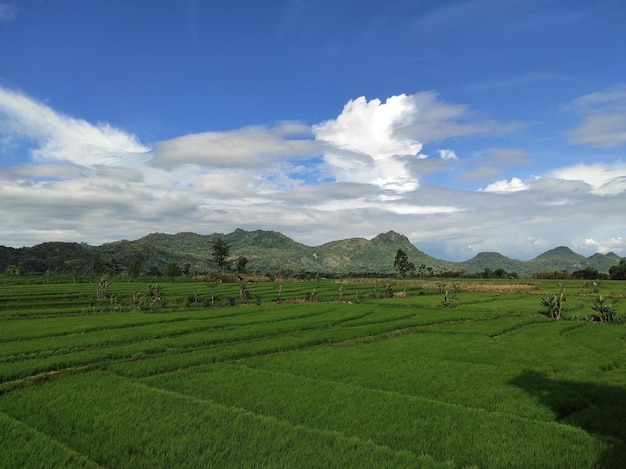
360 173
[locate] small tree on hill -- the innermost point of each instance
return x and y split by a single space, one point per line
402 264
221 251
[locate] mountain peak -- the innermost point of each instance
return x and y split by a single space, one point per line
561 251
390 236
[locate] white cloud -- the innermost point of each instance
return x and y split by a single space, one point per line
617 244
362 144
62 138
503 186
603 179
378 143
435 120
398 207
250 147
604 118
369 127
447 154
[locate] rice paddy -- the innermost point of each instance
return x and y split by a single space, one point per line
309 374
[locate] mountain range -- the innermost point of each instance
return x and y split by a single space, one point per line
270 251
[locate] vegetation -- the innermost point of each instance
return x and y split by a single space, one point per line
618 272
606 311
263 252
341 373
221 251
173 270
554 303
401 263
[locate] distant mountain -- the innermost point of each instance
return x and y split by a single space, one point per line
560 258
376 255
603 262
493 261
271 251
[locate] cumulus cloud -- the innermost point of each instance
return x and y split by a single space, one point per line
62 138
604 118
377 142
514 185
362 144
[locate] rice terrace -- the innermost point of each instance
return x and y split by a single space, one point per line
316 373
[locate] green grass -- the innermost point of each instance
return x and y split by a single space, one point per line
122 424
23 446
389 382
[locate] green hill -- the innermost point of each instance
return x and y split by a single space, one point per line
271 251
376 255
494 261
560 258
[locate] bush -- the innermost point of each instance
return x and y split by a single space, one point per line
606 311
554 303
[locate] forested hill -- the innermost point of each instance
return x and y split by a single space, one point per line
270 251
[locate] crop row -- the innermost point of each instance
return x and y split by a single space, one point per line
118 423
411 423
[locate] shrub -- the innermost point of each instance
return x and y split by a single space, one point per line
606 311
554 303
448 299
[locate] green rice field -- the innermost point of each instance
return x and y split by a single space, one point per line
328 373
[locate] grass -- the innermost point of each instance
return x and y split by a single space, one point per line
347 380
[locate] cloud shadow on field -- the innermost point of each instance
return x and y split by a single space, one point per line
596 408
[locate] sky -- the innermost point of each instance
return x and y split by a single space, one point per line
468 126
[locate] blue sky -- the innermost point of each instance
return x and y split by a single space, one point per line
466 125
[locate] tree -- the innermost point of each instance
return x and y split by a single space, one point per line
402 264
241 264
618 272
173 270
500 273
220 250
588 273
